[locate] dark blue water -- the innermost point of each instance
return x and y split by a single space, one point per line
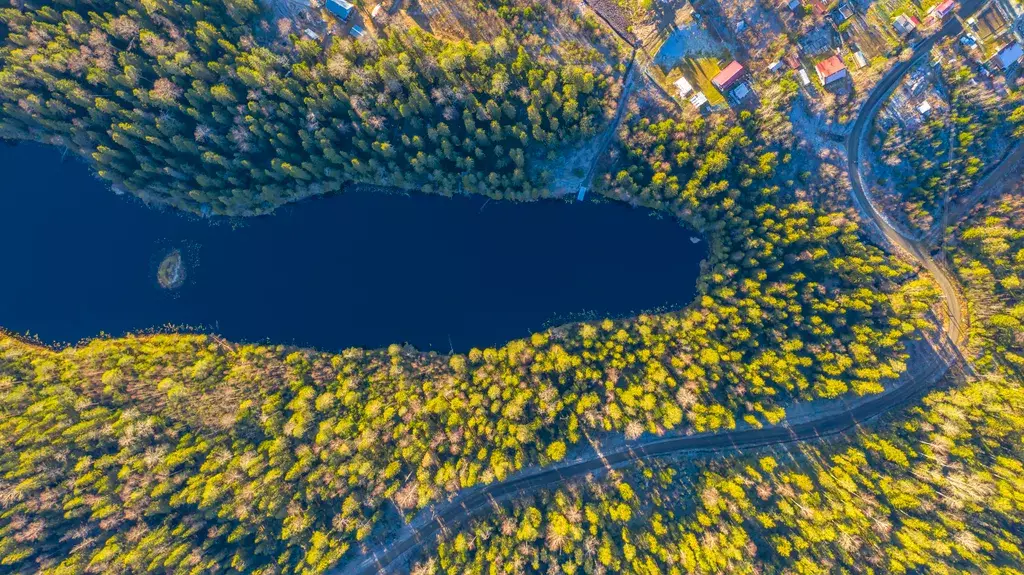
355 269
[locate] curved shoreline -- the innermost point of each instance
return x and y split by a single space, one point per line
442 518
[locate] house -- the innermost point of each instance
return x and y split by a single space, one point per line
684 87
841 13
340 8
793 5
830 70
860 58
775 66
805 80
729 76
945 9
1007 56
357 32
904 24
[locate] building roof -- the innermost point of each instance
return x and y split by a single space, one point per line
740 92
945 8
376 11
830 66
924 108
860 58
727 76
905 24
684 87
804 79
698 99
357 32
340 8
1009 55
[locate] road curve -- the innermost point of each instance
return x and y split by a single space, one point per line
479 501
915 248
476 502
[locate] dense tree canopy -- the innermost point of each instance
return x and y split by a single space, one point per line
187 454
181 103
935 490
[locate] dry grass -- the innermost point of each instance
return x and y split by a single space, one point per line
702 69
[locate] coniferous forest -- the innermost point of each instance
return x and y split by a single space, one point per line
185 453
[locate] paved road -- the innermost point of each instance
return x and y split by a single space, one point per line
915 248
478 502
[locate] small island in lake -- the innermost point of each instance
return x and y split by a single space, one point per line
171 273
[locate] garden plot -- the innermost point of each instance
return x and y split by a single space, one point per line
696 54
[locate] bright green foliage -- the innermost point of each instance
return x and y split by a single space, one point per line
936 489
940 491
182 104
185 454
988 252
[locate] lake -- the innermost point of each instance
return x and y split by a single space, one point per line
354 269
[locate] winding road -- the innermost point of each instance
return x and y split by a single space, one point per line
916 249
478 501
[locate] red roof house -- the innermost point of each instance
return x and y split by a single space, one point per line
945 8
728 77
830 70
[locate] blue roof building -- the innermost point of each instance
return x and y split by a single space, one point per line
340 8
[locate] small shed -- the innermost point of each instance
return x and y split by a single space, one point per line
805 80
698 100
311 34
684 87
357 32
341 8
377 12
729 76
860 58
740 92
924 108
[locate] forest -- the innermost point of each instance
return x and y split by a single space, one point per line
926 165
182 104
185 453
936 489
